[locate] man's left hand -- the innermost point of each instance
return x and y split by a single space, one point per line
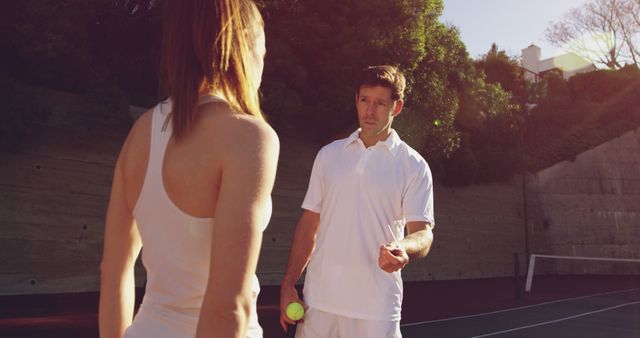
392 257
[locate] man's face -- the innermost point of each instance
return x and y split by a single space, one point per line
376 110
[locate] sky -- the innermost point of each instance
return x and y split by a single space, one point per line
512 24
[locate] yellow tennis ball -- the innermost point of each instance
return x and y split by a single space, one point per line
295 311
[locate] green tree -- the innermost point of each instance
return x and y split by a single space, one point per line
434 99
501 69
490 116
125 47
45 42
315 48
461 167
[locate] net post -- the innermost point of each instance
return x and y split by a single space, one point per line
516 274
532 263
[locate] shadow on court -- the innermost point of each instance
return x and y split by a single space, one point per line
608 314
437 300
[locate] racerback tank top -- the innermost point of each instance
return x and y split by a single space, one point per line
176 250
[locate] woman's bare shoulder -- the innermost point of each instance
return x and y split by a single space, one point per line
240 132
139 136
134 154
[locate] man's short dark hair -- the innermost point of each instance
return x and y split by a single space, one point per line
385 76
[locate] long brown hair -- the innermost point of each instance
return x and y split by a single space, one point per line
206 46
386 76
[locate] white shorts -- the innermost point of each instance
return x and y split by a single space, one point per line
320 324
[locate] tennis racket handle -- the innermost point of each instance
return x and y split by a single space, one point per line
291 331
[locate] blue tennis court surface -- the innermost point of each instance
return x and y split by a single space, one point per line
606 315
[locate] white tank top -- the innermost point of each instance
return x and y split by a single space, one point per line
176 250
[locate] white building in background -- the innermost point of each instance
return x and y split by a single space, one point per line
568 64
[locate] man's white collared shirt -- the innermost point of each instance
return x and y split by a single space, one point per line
365 197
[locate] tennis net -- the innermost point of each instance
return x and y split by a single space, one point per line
572 263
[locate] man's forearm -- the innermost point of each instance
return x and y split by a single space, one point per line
417 244
298 260
304 241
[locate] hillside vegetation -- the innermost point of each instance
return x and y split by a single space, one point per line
580 114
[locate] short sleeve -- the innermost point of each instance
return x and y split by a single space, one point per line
417 202
313 198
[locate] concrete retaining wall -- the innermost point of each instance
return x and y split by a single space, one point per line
590 207
53 197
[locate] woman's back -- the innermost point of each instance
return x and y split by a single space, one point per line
190 169
214 160
176 193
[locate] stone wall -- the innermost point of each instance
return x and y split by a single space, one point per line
478 229
53 197
589 207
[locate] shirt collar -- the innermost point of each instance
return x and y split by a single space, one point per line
391 143
352 138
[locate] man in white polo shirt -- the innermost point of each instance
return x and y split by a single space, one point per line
363 192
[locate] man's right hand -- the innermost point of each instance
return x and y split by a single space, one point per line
288 294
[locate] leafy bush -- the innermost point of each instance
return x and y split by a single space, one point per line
601 85
461 168
560 132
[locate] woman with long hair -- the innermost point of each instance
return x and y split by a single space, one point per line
192 184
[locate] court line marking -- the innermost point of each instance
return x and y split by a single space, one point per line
556 320
520 307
